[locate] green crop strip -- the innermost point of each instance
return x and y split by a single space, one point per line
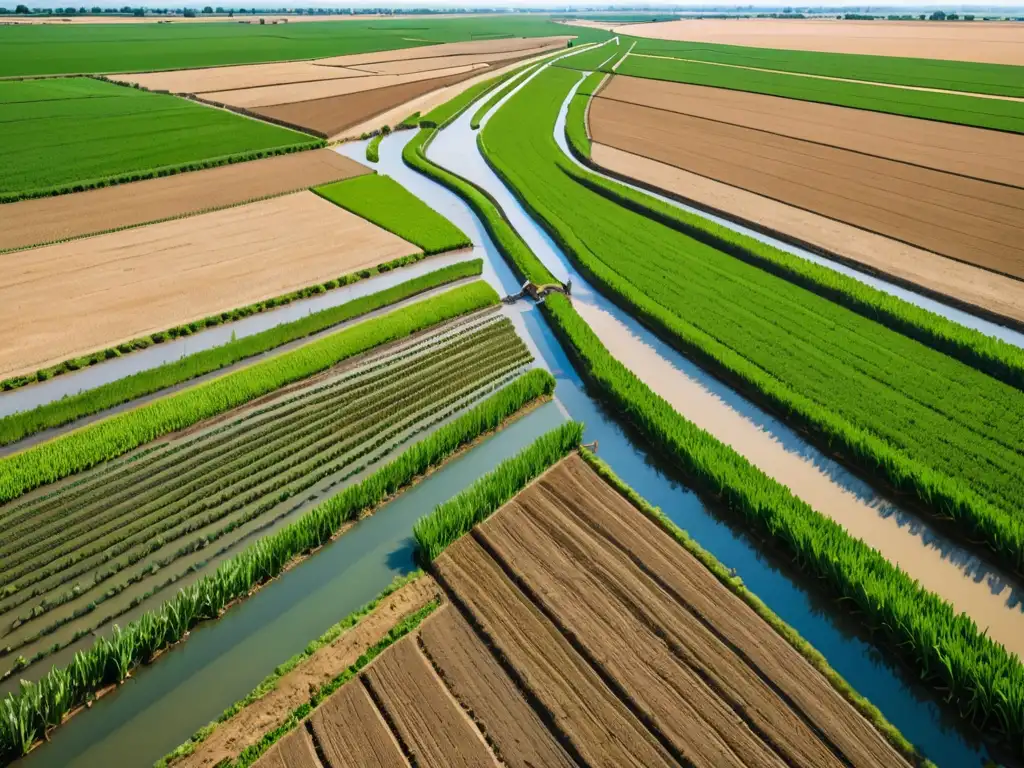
21 425
916 624
457 516
373 148
120 134
922 421
119 434
971 77
391 206
25 717
963 109
576 116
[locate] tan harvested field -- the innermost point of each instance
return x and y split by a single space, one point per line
525 45
231 78
70 299
959 149
49 219
442 62
333 116
993 42
273 95
972 221
990 292
580 633
246 728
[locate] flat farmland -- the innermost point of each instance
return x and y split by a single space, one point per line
231 78
579 633
144 280
981 154
48 220
77 554
972 221
64 135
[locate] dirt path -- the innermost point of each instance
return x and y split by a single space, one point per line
992 42
49 219
968 220
353 734
959 149
249 725
973 286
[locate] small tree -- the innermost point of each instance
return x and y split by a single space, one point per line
21 9
207 9
938 16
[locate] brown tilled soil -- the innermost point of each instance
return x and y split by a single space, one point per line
481 686
49 219
418 706
988 291
972 221
522 44
426 64
65 300
249 725
295 750
975 152
993 42
352 733
336 114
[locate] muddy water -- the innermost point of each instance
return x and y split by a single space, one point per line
909 707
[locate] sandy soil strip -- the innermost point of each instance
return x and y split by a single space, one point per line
49 219
972 221
273 95
481 686
600 727
229 78
293 751
337 114
353 734
992 42
65 300
448 49
989 601
249 725
592 585
429 721
988 291
991 155
423 65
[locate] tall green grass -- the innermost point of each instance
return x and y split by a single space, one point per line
27 715
456 517
20 425
119 434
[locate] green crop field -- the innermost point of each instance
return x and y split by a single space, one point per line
996 79
74 133
391 206
166 505
975 111
49 49
926 422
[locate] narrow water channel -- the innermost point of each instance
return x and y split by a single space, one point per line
908 706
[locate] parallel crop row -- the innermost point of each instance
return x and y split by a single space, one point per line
119 434
25 717
921 420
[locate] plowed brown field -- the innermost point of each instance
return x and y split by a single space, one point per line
580 633
231 78
526 45
293 751
965 219
49 219
70 299
960 149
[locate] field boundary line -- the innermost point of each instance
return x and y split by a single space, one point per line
625 56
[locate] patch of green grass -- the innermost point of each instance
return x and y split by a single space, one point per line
971 77
957 108
77 133
389 205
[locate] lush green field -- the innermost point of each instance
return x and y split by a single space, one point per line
924 421
997 79
51 49
391 206
61 136
948 107
66 410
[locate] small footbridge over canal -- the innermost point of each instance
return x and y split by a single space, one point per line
538 292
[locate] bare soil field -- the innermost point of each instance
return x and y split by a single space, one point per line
69 299
232 78
991 42
975 152
972 221
441 62
987 291
296 750
524 45
352 733
580 633
50 219
246 728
